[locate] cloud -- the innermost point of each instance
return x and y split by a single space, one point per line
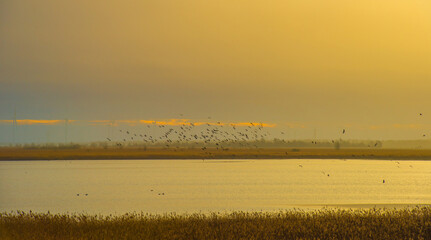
36 121
179 122
6 121
167 122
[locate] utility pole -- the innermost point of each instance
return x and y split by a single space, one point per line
14 126
48 140
112 135
65 130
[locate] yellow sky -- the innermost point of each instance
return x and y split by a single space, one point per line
334 62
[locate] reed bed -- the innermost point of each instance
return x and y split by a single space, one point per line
374 223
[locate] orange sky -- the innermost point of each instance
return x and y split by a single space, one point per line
312 63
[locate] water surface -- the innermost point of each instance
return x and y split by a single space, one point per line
159 186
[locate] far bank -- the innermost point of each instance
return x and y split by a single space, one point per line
11 153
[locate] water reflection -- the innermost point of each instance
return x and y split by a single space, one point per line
156 186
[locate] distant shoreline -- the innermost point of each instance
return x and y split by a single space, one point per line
17 154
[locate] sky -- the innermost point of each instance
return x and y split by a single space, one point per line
298 65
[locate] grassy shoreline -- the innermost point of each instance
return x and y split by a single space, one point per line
374 223
11 154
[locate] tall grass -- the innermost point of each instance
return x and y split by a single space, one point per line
296 224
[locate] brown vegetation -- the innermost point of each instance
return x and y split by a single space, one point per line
211 153
324 224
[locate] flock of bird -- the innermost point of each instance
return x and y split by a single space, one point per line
216 135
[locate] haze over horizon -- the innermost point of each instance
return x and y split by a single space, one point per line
300 65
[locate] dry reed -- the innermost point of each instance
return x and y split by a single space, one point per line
295 224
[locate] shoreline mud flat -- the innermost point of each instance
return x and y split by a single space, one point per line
12 154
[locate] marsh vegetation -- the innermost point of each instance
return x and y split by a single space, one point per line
295 224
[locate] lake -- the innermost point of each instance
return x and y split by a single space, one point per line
160 186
